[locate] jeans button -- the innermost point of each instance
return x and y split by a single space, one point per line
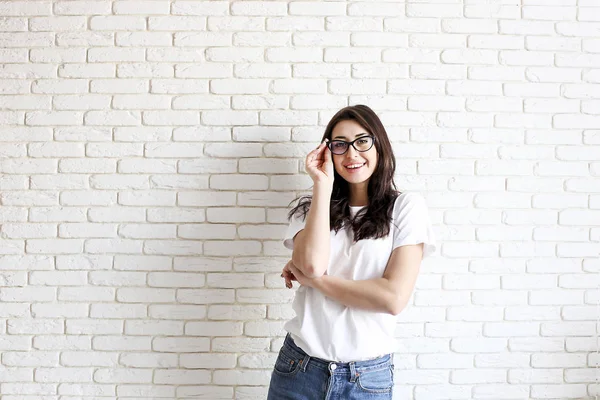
333 366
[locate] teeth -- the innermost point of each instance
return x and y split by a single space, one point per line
353 166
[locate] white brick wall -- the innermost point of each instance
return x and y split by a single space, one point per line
149 150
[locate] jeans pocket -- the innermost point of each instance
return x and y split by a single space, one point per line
286 365
376 381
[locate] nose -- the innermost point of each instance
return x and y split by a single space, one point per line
351 152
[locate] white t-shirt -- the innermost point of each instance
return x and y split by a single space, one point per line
326 328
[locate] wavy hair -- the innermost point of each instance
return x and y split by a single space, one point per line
372 221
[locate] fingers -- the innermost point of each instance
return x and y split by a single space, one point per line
288 280
287 275
323 147
316 158
327 155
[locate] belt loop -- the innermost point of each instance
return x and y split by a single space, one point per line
304 362
353 374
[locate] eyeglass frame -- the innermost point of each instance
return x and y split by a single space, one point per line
330 144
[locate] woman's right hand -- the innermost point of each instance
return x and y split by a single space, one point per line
319 165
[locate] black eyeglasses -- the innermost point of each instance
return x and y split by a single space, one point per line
363 143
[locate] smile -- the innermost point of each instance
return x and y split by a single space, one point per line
354 167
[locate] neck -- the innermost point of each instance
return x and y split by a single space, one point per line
358 194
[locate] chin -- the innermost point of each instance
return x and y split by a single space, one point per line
353 179
356 179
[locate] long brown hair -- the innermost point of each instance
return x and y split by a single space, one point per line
374 220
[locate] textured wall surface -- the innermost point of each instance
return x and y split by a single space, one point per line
149 150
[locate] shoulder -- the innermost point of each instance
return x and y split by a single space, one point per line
407 200
409 203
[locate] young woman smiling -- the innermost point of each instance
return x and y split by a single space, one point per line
357 248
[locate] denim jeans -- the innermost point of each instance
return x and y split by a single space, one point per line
298 376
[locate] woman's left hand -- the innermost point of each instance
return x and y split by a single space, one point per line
286 274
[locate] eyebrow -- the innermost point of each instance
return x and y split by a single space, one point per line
357 135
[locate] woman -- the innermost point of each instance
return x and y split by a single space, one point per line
357 247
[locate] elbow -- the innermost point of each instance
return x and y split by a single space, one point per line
395 309
312 271
396 306
309 270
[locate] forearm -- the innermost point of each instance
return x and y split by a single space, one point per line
312 245
372 294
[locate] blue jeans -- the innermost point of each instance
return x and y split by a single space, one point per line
298 376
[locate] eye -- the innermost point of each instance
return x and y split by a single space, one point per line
362 141
339 144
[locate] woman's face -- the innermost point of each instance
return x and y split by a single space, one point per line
348 131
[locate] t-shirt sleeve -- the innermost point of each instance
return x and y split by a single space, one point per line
413 224
297 223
